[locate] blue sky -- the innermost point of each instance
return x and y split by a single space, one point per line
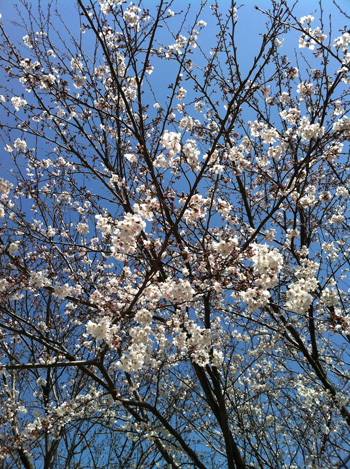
250 22
250 25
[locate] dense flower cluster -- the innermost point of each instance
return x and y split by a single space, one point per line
307 131
226 247
125 235
177 291
267 264
61 291
131 16
5 186
171 141
300 294
18 102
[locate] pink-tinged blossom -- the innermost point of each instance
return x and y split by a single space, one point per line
342 126
5 186
60 112
39 279
330 297
161 162
308 131
225 248
213 127
236 155
4 284
270 234
275 152
104 224
337 218
285 97
28 41
107 6
125 235
338 109
177 291
13 247
120 67
199 342
342 191
334 150
266 260
197 208
83 228
309 199
342 42
131 16
153 293
318 35
255 128
187 123
255 298
201 24
292 115
307 19
18 102
181 94
79 81
171 142
146 210
47 81
99 330
20 145
144 317
299 296
180 43
223 207
191 153
61 291
305 89
269 135
292 73
76 64
198 106
136 354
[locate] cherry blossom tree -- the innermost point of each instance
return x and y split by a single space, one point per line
175 238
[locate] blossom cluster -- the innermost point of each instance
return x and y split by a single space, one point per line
197 208
177 291
104 330
5 186
107 6
267 264
226 247
131 16
307 131
18 102
61 291
255 298
191 153
171 142
125 235
300 293
125 232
